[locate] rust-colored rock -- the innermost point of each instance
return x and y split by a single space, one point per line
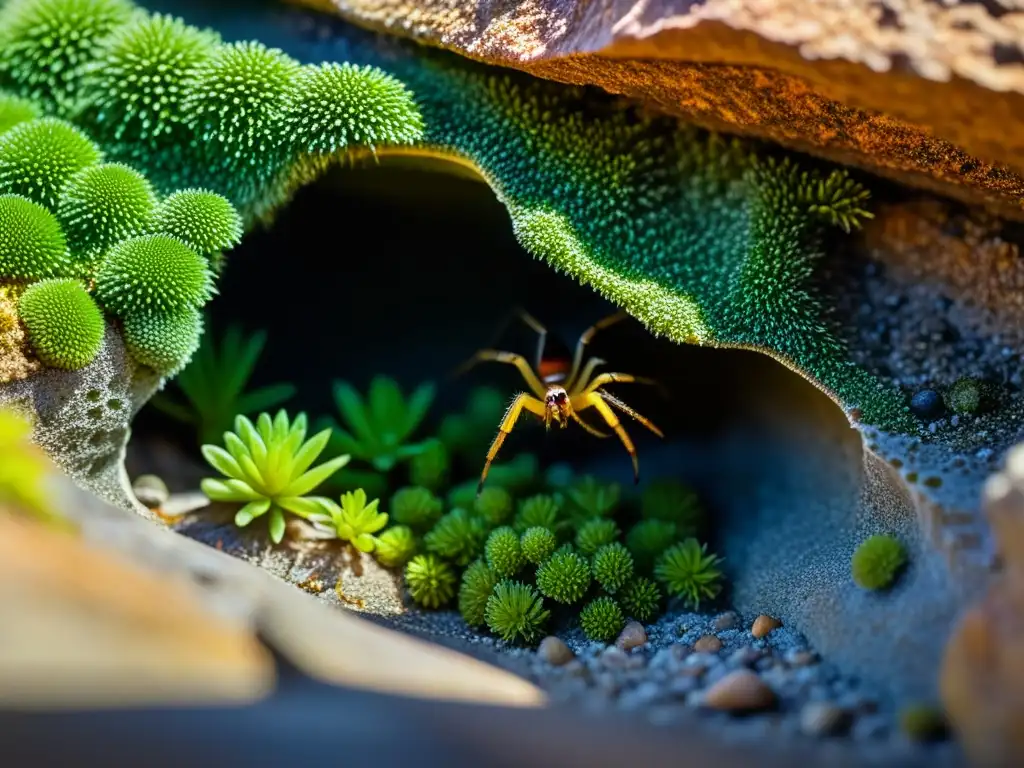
708 644
922 91
740 691
763 625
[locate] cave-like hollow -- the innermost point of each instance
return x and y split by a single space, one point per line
387 270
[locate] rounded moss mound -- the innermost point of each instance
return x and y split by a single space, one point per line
32 245
102 205
965 397
65 327
164 342
335 106
46 44
877 561
154 274
205 221
15 110
38 159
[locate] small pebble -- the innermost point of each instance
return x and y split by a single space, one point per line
150 490
926 404
744 657
727 620
708 644
614 658
182 503
763 625
641 696
821 718
800 658
632 635
683 686
739 691
554 651
576 668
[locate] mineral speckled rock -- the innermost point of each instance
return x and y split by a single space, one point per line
921 91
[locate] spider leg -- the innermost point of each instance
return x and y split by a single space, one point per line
521 401
511 358
521 314
594 400
579 385
591 429
609 397
585 338
616 378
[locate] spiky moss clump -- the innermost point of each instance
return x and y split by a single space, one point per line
457 536
877 561
15 110
65 327
494 506
430 466
503 551
478 582
431 581
395 546
46 44
101 205
38 158
537 544
594 534
648 539
592 498
515 611
565 577
164 342
672 502
153 274
965 397
642 599
601 619
537 511
416 507
136 85
32 245
612 566
205 221
687 571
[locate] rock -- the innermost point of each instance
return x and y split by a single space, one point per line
918 93
727 620
554 651
739 691
744 657
821 718
150 490
926 404
613 657
763 625
800 658
632 636
708 644
179 504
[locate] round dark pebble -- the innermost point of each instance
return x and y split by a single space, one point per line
926 404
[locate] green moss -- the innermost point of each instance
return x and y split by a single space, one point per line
565 577
15 110
503 551
478 582
601 619
494 506
205 221
515 611
648 539
430 580
592 498
101 205
672 502
430 466
457 536
395 546
537 544
153 274
416 507
877 561
688 572
641 599
46 44
65 327
32 245
594 534
164 342
39 157
613 567
540 510
965 397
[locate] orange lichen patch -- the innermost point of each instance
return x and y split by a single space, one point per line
914 89
964 253
16 360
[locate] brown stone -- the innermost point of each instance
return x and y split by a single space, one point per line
727 620
739 691
632 635
708 644
923 93
763 625
554 651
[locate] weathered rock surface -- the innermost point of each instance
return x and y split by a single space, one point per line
920 91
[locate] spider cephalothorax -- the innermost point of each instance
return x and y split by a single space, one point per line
562 388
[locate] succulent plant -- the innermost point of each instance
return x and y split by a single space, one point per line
515 611
32 245
594 534
457 536
537 544
269 467
205 221
601 619
395 546
356 520
39 157
382 424
478 582
430 580
612 566
64 325
641 599
687 571
214 382
503 552
877 561
565 577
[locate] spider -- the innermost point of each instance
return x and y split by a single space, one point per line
562 388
